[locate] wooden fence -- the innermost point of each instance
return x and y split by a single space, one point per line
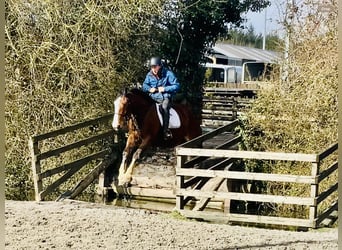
189 175
223 105
101 131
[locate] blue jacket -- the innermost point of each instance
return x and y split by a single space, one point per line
168 80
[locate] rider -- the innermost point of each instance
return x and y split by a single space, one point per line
162 85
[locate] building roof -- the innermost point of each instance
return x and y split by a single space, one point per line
241 52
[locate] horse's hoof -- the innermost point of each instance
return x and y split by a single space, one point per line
120 182
127 185
124 184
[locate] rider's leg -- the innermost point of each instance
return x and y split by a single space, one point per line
166 116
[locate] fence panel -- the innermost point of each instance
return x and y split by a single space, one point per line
222 105
187 173
100 127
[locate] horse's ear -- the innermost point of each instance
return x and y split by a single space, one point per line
125 91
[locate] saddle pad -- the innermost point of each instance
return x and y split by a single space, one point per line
174 121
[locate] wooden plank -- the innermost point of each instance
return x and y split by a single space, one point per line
156 181
212 185
201 181
324 174
328 151
243 90
327 213
217 111
215 123
314 194
58 182
217 103
180 201
78 144
223 99
70 165
199 159
224 104
36 169
83 184
326 193
229 143
246 218
210 109
218 165
218 118
245 154
71 128
246 175
102 188
145 192
307 201
198 140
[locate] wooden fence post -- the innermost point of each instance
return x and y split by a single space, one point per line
36 170
103 182
180 184
314 194
101 189
235 108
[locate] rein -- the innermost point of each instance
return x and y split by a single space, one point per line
135 123
134 129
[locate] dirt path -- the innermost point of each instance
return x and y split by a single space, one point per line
80 225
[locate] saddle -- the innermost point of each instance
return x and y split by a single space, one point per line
174 121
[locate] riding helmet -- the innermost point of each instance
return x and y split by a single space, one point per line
155 61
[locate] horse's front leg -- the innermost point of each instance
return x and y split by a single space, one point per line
129 171
125 158
123 166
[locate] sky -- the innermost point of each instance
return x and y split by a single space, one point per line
274 15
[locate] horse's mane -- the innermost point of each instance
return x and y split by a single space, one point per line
143 94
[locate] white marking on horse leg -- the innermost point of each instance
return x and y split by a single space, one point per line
129 171
127 178
121 176
122 169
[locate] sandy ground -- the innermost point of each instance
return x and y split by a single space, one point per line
80 225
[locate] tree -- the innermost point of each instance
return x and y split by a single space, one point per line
188 28
248 37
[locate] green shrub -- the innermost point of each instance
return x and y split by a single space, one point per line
299 114
66 61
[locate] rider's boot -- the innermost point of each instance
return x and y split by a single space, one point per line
166 131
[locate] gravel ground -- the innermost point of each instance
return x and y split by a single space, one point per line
81 225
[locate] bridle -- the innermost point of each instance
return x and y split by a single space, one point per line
125 115
129 115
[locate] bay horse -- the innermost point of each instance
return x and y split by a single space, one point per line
137 111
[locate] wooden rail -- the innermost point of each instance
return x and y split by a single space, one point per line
69 169
191 150
222 105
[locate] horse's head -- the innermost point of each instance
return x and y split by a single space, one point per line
132 104
121 112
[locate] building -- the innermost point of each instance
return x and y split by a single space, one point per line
235 55
229 63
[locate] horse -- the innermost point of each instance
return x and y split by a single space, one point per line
137 112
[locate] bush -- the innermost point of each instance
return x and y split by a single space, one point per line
65 62
299 114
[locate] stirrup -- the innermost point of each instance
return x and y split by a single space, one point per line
167 135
